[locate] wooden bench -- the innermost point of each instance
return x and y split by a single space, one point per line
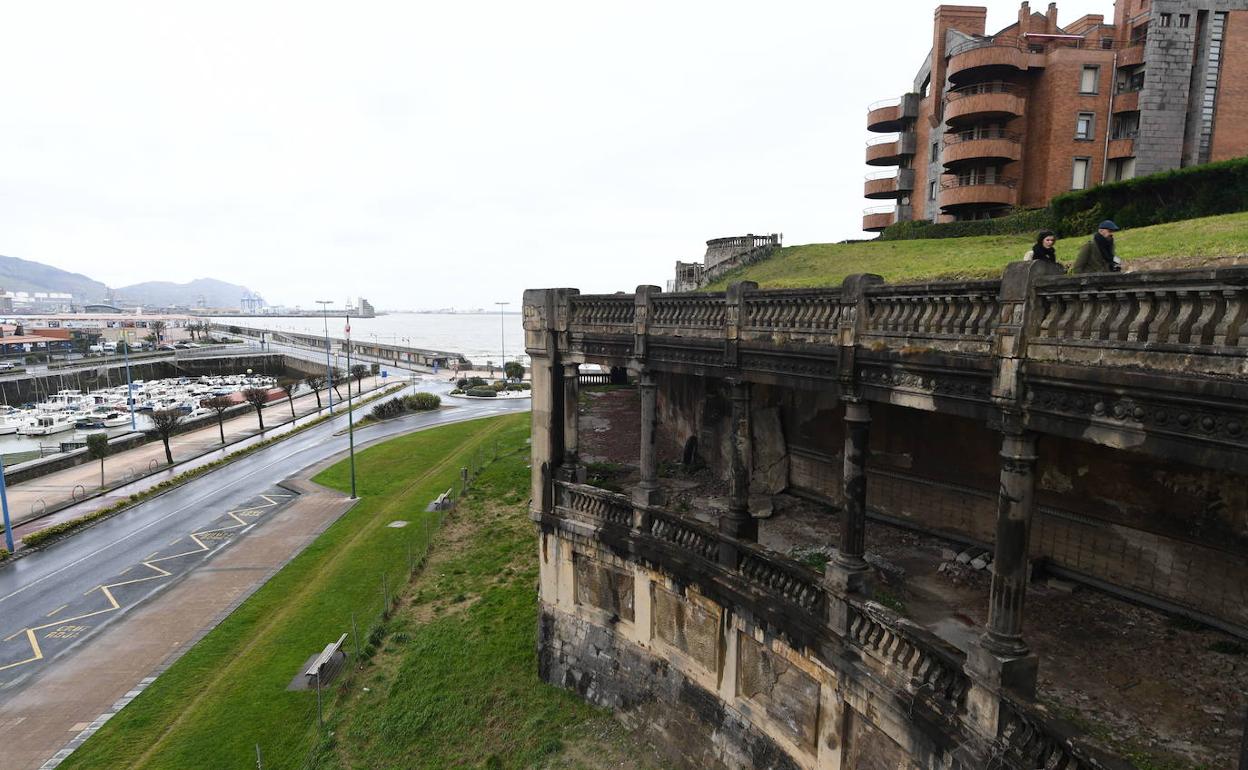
325 657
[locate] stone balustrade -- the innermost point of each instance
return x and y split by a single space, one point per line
1163 335
927 674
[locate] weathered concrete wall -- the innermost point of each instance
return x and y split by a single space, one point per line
682 657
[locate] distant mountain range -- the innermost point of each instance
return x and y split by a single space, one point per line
25 275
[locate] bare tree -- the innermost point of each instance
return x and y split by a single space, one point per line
97 447
166 422
220 405
315 382
359 372
338 377
158 331
257 397
289 386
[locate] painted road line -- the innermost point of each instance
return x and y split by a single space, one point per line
32 644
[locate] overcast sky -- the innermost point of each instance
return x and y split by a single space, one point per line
433 154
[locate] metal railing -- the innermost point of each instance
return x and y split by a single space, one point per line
976 89
978 134
950 183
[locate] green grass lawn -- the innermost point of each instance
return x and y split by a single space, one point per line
448 675
212 707
827 264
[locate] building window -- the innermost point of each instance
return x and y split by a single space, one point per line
1121 168
1089 79
1165 20
931 190
1079 175
1126 125
935 151
1084 125
1107 43
1185 19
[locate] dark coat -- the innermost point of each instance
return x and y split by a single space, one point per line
1090 260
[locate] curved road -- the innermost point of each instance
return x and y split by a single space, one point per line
72 578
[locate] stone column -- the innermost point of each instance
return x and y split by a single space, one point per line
1015 502
569 468
648 492
854 484
737 522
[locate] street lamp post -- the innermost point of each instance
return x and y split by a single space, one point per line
502 338
329 368
350 418
4 506
125 341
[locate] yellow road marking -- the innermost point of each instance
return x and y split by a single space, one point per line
150 563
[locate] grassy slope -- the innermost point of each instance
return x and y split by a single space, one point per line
827 264
229 693
456 682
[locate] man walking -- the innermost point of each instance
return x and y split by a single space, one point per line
1097 255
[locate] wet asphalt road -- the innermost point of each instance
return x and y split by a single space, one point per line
60 597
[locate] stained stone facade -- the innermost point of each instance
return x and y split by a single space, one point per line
1072 420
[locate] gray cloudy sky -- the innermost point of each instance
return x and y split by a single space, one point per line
432 154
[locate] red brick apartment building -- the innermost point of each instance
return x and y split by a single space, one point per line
1012 119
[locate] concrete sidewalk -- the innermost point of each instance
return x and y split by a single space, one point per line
64 705
28 499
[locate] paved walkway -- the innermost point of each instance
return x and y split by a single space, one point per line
28 498
66 703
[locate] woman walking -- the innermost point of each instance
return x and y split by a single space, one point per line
1043 248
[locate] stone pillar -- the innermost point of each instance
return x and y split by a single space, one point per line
569 468
545 324
854 484
1002 660
1015 502
737 522
648 492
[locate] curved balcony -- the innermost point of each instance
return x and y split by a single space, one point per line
983 102
889 184
1131 55
1127 101
1121 148
982 147
958 195
891 115
877 218
979 59
888 151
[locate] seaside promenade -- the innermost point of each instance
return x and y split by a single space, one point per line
144 466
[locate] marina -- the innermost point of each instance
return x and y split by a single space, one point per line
64 420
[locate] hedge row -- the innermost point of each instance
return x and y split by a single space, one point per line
1169 196
1024 221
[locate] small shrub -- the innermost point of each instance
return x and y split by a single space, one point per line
483 391
4 554
499 386
387 409
521 386
457 392
475 382
420 402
